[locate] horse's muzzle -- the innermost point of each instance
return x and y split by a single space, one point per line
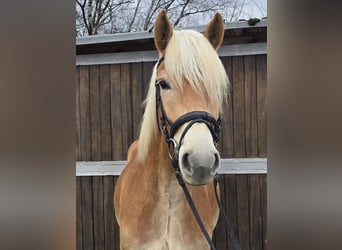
199 164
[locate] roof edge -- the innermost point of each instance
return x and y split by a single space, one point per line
117 37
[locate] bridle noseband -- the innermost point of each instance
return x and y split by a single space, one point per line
170 128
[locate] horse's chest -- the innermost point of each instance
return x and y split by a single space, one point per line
174 231
170 225
177 226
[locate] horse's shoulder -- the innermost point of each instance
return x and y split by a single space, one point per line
132 151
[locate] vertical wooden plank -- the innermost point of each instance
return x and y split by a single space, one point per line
87 212
98 199
255 213
226 138
239 106
243 211
116 111
231 205
79 221
137 97
220 236
115 77
109 220
106 131
126 109
78 124
261 66
107 151
226 151
116 226
85 139
263 200
251 107
95 118
147 74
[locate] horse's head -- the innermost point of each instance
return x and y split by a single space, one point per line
191 85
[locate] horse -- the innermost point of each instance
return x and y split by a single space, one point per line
179 128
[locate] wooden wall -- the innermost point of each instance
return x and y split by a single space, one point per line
108 115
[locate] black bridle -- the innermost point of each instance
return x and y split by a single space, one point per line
169 130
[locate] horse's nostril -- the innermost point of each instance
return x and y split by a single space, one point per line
186 163
216 162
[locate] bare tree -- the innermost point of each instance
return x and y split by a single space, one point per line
180 11
97 13
235 10
79 24
111 16
134 16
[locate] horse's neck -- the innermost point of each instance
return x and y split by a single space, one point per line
158 165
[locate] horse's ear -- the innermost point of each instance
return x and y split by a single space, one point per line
215 31
163 31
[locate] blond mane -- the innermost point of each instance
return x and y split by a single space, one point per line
190 57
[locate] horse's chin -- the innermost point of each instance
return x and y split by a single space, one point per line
197 179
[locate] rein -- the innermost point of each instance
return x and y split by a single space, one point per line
169 129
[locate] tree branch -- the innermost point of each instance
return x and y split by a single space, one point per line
83 11
181 15
134 16
148 15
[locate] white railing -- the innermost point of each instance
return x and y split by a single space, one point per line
228 166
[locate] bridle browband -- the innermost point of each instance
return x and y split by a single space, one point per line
169 130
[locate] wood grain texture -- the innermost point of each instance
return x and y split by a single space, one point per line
95 112
116 226
77 115
263 200
250 107
79 220
115 76
230 199
261 72
87 212
98 216
227 133
121 89
243 211
147 73
85 114
126 108
239 107
105 107
137 94
108 207
255 216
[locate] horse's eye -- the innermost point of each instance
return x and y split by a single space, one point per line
164 84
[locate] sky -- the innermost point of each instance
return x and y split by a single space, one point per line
255 8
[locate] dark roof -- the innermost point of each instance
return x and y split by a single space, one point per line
235 33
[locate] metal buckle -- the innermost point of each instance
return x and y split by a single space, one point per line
172 142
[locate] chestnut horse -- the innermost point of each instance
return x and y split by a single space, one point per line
189 81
